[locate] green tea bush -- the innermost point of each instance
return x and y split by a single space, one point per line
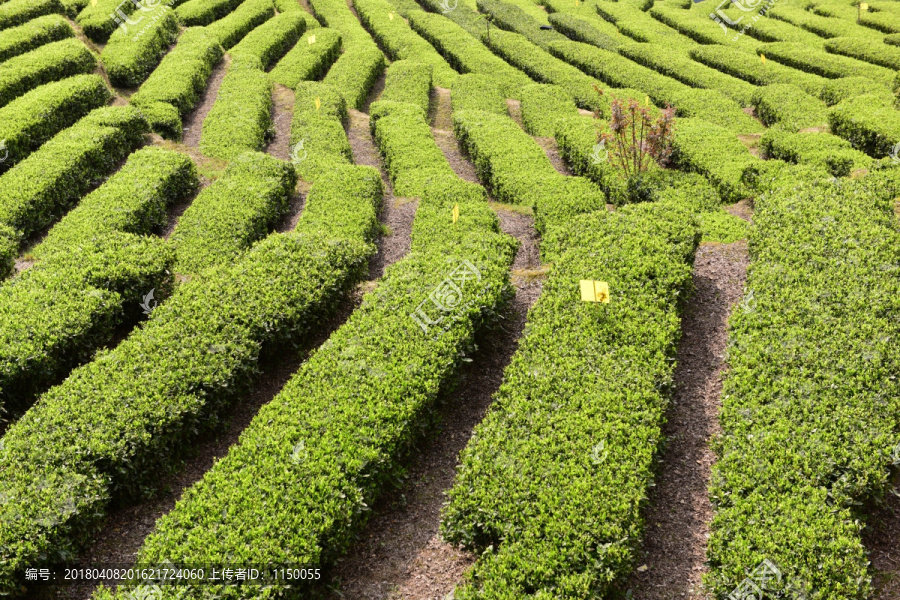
51 62
541 66
788 107
40 189
715 153
750 68
400 42
16 12
408 81
864 49
113 425
129 58
204 12
134 200
542 107
694 24
578 143
271 40
9 249
477 92
837 90
337 15
886 22
822 149
827 27
819 62
239 120
550 489
100 20
351 412
319 142
35 117
245 18
34 33
809 420
182 75
236 210
512 18
465 53
582 30
310 59
355 72
868 122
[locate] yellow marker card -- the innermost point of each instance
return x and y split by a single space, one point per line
455 213
762 57
391 16
594 291
93 2
312 40
863 7
646 100
318 103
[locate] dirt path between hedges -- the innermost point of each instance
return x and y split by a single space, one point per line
880 538
679 512
400 553
193 121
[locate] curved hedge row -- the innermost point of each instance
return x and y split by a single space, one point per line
34 33
246 17
477 92
750 68
550 488
51 62
869 122
465 53
543 106
239 120
16 12
41 188
581 30
819 62
864 49
129 59
204 12
318 141
355 72
310 59
324 448
512 18
885 22
118 421
823 149
826 27
788 107
35 117
271 40
100 19
810 406
236 210
400 42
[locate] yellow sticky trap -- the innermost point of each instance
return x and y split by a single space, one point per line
93 2
318 103
594 291
762 57
391 16
312 40
577 3
455 212
646 100
863 7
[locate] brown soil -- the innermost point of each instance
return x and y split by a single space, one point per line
396 214
178 209
290 220
400 553
742 209
193 121
880 539
679 510
552 152
442 129
282 112
514 108
125 529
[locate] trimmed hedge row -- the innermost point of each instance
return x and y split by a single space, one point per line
822 149
271 40
56 314
99 20
868 122
512 18
410 82
477 92
773 30
236 210
517 171
678 65
882 21
864 49
16 12
582 30
810 406
310 59
692 23
788 107
182 75
837 90
399 41
204 12
34 33
715 153
41 188
318 140
35 117
550 488
646 29
336 14
576 138
330 441
543 106
541 66
134 200
239 120
108 431
129 59
465 53
827 27
750 68
355 72
51 62
616 70
9 250
821 63
246 17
